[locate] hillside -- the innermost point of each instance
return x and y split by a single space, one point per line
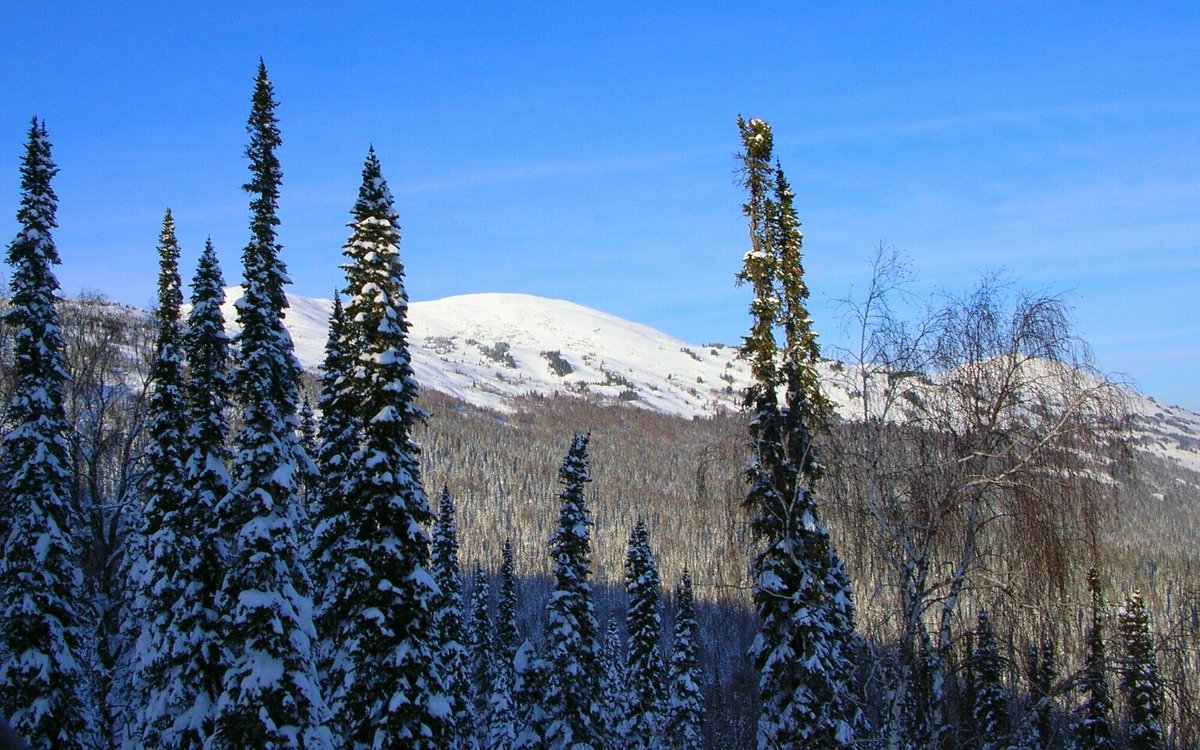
490 350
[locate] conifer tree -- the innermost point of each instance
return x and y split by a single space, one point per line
384 677
685 702
307 435
448 624
44 689
163 592
1093 726
1041 671
480 649
508 636
1140 683
647 674
987 678
615 698
270 693
533 717
500 729
203 548
338 438
803 651
502 718
572 696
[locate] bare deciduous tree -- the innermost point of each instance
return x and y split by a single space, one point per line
974 461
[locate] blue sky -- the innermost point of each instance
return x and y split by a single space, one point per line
585 150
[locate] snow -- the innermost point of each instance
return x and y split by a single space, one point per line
619 361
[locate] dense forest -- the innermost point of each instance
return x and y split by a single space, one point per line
206 547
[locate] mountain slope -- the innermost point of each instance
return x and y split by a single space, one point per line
490 349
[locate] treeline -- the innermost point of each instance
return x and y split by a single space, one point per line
205 548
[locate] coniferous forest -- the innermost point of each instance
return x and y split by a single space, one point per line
205 546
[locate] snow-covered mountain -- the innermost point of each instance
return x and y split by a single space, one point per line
490 349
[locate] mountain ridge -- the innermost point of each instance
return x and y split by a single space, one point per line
491 349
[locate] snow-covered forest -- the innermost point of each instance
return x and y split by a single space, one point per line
207 547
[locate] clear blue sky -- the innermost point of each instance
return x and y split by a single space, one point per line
585 150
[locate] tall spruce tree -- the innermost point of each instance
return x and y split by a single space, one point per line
164 653
1042 672
572 697
532 716
270 696
384 674
502 715
685 701
1140 682
988 709
448 623
1093 728
44 686
801 592
480 649
643 622
203 546
615 698
339 433
508 636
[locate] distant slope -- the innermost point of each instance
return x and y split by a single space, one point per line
490 349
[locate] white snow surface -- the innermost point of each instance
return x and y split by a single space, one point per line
458 348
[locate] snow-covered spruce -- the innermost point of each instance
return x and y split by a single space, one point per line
204 548
988 711
615 697
570 635
801 592
685 701
1093 729
448 624
44 688
643 622
339 434
508 636
480 649
1140 682
533 716
270 695
169 682
383 673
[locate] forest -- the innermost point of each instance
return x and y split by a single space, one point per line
207 547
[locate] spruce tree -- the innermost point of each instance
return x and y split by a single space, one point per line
508 636
571 699
384 677
685 702
1093 725
270 693
1140 682
533 718
338 437
647 674
44 688
203 547
500 730
502 718
615 697
988 709
1041 672
801 592
310 472
448 624
163 592
480 648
